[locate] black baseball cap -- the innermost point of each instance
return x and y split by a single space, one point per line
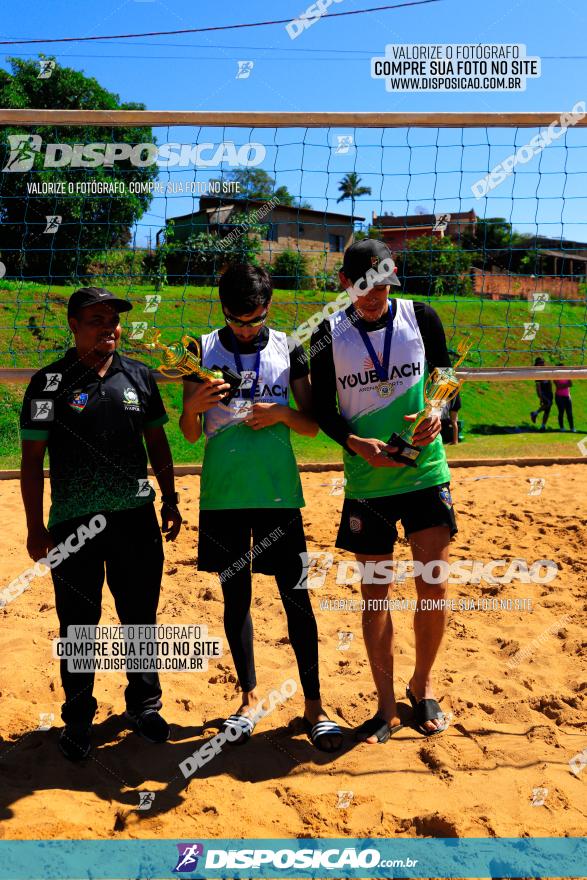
89 296
365 255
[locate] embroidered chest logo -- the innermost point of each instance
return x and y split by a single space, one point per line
130 398
77 400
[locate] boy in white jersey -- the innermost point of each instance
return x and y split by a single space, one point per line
369 365
250 489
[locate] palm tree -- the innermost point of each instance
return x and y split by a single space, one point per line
351 189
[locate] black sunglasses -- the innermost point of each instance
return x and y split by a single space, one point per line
256 322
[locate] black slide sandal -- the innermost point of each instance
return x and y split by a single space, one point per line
427 710
320 729
376 726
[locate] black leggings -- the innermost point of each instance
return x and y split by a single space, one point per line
301 627
564 405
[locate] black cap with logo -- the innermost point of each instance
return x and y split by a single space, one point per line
89 296
368 254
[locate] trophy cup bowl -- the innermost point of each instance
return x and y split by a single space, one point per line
441 386
184 358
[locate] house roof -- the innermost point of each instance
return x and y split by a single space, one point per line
388 221
223 207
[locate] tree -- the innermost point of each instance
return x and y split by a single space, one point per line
435 266
91 224
351 189
204 254
258 185
495 243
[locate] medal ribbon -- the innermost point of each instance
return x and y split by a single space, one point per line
381 368
240 368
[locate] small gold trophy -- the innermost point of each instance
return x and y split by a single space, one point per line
179 361
441 386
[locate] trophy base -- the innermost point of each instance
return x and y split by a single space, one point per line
406 453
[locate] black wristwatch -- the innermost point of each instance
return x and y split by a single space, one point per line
170 500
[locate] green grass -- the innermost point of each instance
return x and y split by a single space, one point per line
32 321
496 414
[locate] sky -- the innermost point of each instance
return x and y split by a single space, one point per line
328 67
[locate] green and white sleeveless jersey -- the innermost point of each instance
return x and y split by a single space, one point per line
244 468
372 416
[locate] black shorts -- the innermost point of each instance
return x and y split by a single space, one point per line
367 525
270 538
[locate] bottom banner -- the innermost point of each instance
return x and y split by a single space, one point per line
350 857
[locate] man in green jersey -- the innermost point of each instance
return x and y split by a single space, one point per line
369 364
250 491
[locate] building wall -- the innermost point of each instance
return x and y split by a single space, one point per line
505 286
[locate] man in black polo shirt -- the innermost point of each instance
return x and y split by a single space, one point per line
91 410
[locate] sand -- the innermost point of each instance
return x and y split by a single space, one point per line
515 726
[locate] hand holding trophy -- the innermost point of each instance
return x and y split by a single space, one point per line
180 360
441 386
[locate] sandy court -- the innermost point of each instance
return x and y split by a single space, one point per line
515 728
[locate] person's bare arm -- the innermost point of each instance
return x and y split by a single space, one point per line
162 463
32 486
199 397
454 421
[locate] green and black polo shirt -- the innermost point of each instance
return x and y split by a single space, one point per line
94 427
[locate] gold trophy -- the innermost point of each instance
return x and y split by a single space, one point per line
180 359
441 386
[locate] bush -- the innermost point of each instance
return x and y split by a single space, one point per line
432 266
110 267
290 270
328 282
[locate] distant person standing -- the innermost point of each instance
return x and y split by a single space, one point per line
544 392
564 404
449 421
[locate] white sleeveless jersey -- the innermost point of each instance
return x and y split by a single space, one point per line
242 467
272 387
371 415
